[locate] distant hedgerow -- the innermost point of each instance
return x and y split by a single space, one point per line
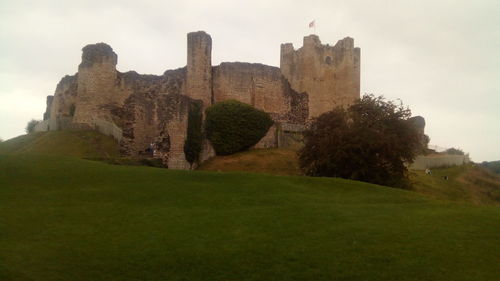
233 126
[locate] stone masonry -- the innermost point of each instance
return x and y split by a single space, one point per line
152 109
329 74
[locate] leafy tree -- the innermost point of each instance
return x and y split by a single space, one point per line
233 126
370 141
30 127
193 142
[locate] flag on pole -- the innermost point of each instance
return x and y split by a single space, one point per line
312 24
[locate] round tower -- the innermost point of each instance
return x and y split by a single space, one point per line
96 83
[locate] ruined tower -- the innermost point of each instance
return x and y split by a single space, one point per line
330 75
96 83
199 67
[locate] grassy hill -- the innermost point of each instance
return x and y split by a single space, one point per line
81 144
69 219
473 184
470 183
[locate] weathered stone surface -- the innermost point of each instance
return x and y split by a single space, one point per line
155 113
150 111
97 53
330 75
199 67
261 86
46 114
419 122
97 75
64 101
269 140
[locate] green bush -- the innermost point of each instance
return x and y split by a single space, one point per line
192 145
233 126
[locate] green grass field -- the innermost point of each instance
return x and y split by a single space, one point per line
70 219
64 218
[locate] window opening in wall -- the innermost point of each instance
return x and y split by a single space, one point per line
328 60
72 109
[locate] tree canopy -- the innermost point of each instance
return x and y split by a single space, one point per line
370 141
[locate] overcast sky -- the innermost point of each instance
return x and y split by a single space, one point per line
441 58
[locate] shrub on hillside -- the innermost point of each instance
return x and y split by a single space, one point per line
192 144
30 127
370 141
233 126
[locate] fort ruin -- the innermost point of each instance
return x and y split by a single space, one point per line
142 109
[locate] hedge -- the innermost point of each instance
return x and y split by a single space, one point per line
233 126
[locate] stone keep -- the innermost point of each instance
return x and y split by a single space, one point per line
144 109
330 75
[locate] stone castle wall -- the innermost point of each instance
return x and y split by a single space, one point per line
261 86
63 101
141 110
145 108
423 162
330 75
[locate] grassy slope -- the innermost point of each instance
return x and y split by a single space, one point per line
472 184
70 219
68 143
276 161
468 183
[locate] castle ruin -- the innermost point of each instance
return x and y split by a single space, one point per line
142 109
